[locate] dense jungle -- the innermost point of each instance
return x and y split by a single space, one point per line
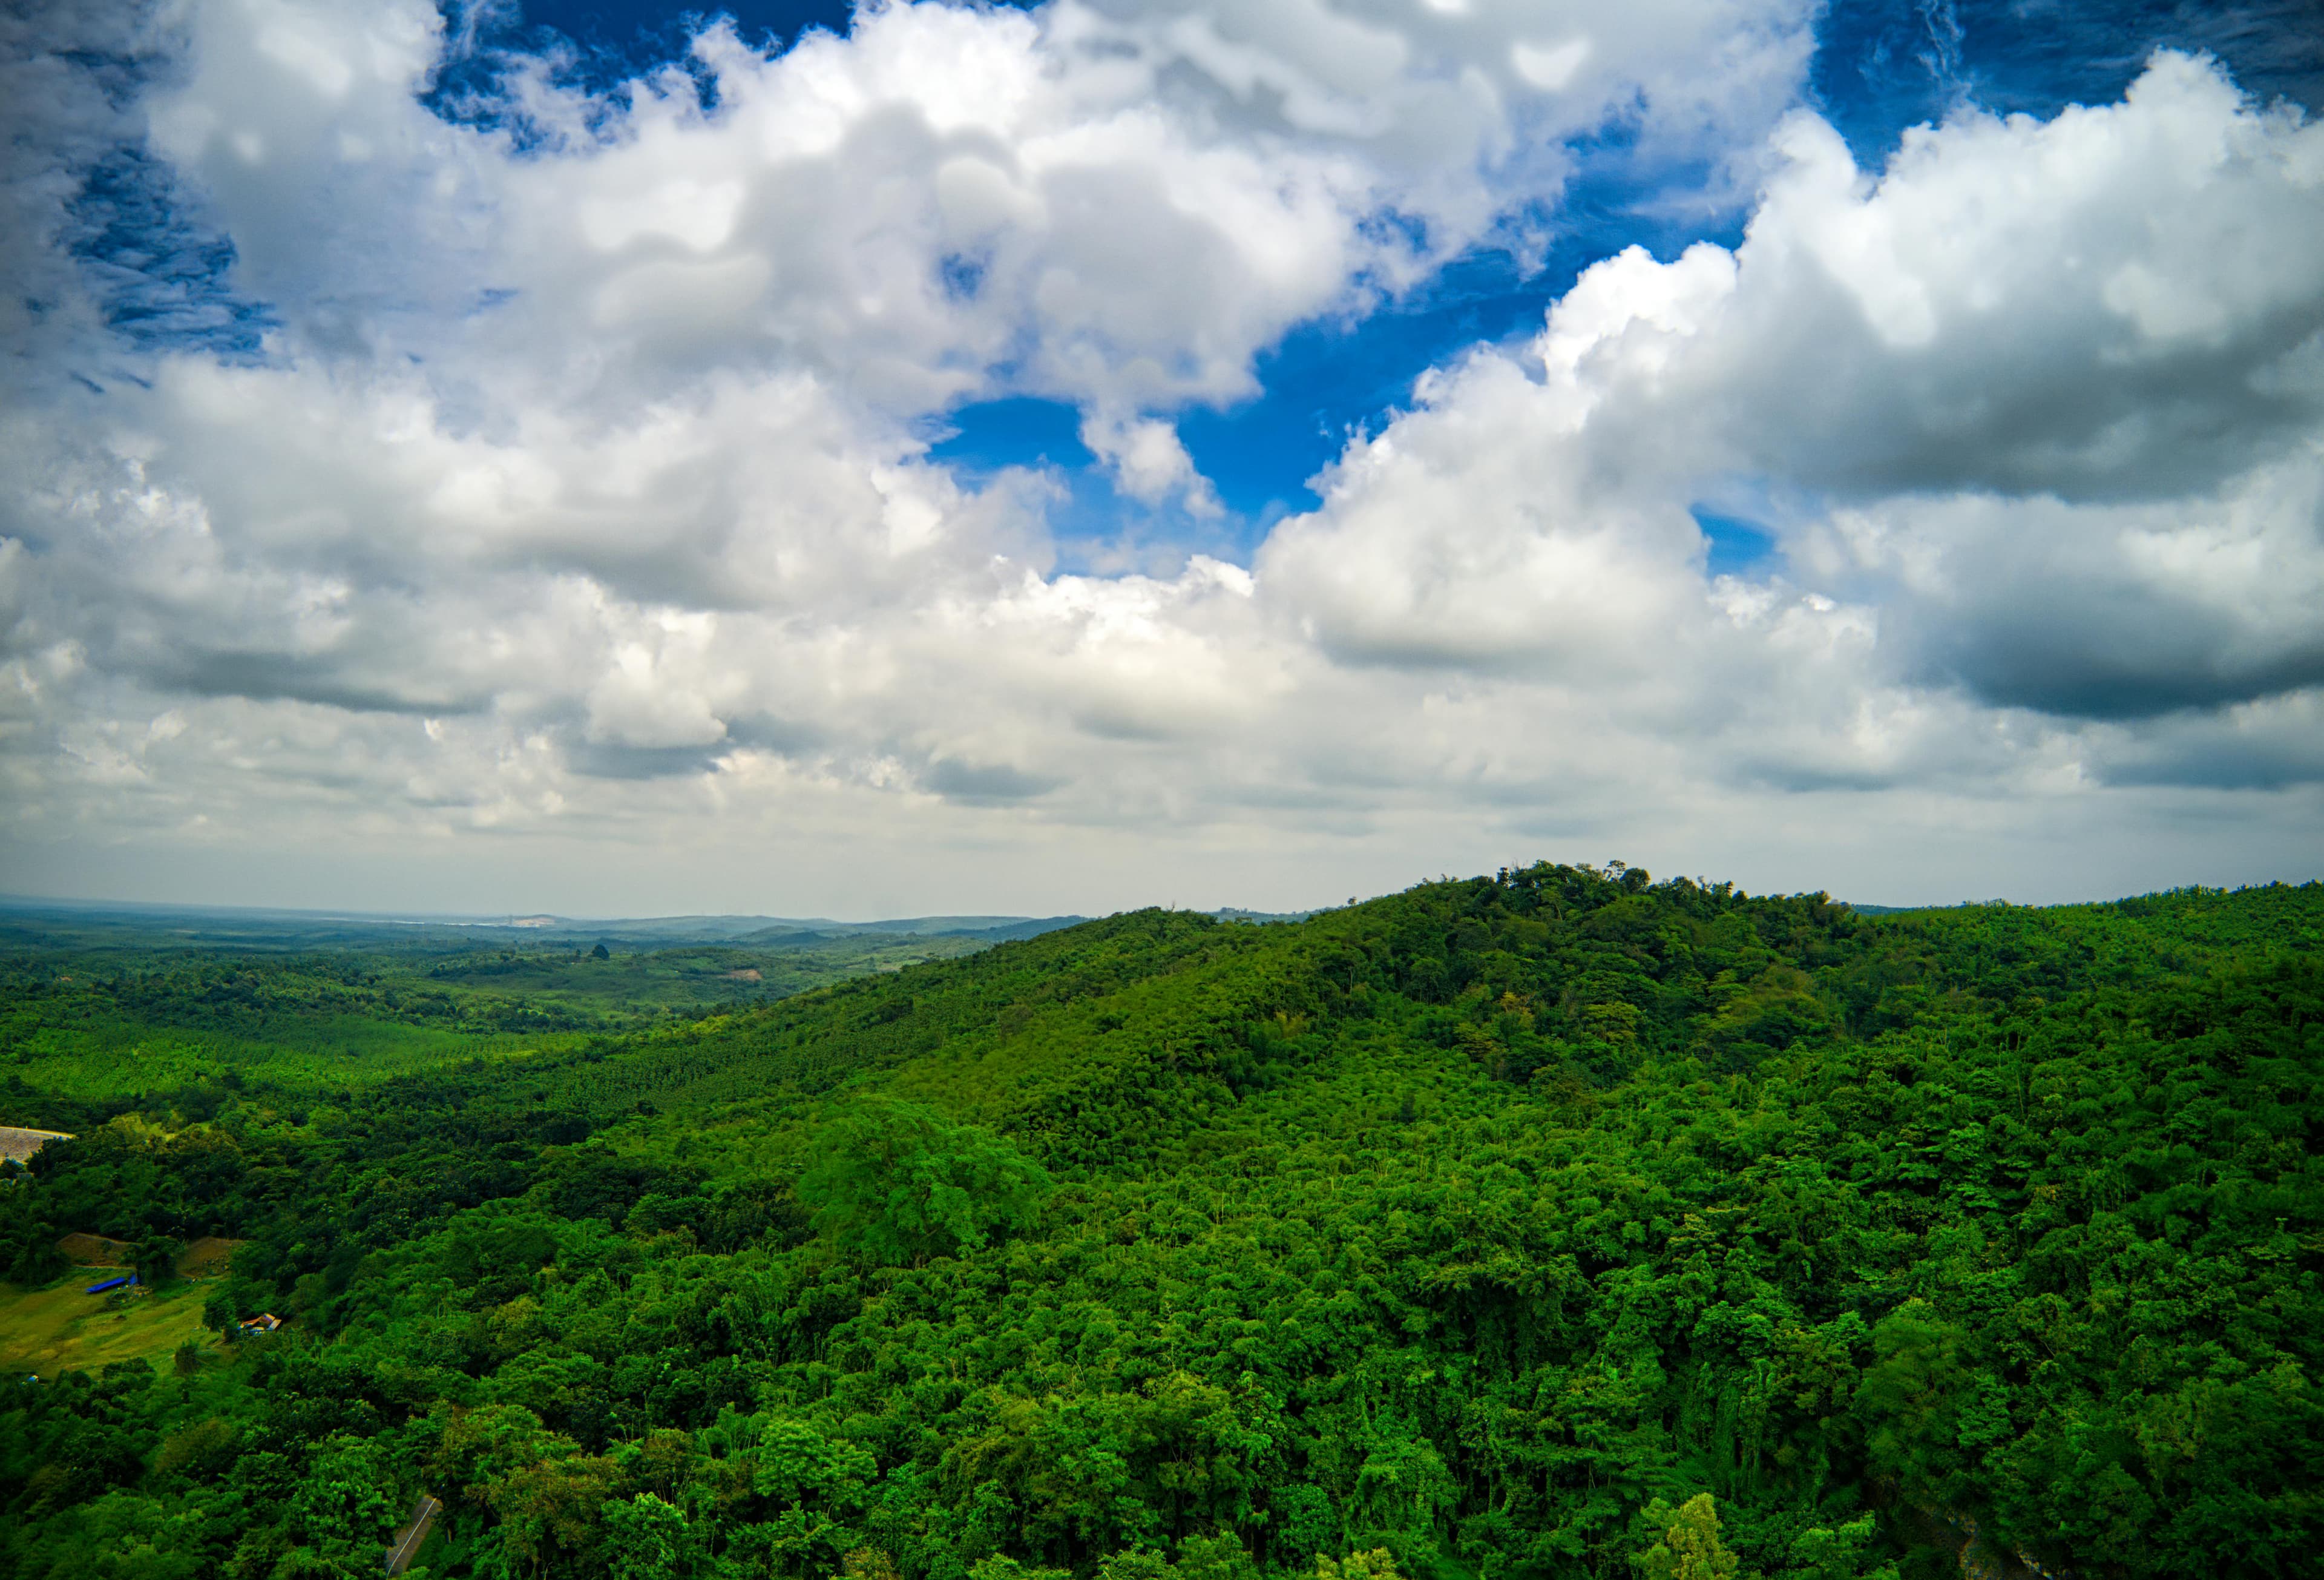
1559 1223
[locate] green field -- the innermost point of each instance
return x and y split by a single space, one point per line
62 1328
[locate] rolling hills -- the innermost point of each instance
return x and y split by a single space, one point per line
1533 1224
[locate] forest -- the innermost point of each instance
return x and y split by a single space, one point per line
1558 1223
109 1006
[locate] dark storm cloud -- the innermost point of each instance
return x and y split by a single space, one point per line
2219 760
2075 663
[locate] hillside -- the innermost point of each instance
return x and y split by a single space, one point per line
1477 1231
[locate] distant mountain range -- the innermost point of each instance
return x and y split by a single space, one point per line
757 928
263 928
251 926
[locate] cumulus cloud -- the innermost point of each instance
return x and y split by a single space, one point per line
2057 490
1149 461
2099 611
578 497
1117 205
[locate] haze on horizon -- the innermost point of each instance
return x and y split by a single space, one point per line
951 460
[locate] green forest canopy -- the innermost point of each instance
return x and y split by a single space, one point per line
1560 1222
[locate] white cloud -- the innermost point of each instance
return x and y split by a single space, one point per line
577 503
1148 462
1117 205
2064 503
2110 304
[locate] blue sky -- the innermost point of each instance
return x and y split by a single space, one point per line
546 456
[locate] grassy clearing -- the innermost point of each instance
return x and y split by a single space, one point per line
61 1329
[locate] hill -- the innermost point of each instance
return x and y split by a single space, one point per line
1526 1226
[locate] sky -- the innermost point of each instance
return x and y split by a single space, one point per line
618 459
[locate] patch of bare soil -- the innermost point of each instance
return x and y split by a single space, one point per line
17 1144
207 1257
95 1251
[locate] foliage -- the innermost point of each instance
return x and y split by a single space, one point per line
1559 1223
897 1183
1689 1547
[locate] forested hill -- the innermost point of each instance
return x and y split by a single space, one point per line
1556 1224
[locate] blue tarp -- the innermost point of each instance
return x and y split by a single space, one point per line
109 1284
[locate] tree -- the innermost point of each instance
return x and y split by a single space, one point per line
896 1183
156 1258
1690 1547
1837 1553
647 1538
1372 1564
1911 1395
342 1506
